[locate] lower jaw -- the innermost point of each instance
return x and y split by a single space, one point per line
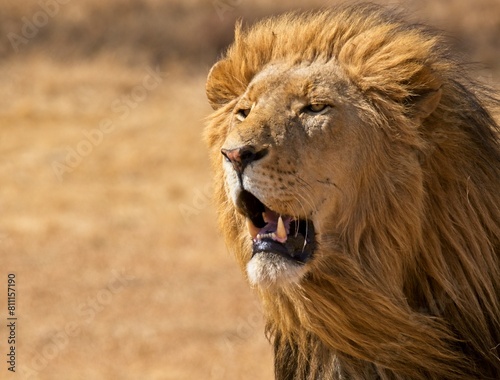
269 269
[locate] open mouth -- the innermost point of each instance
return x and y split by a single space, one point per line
271 232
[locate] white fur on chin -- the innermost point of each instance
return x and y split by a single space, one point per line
269 270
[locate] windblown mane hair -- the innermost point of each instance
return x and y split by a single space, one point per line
435 314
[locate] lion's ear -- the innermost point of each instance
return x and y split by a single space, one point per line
218 92
425 104
427 88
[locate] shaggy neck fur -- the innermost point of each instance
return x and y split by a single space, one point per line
407 284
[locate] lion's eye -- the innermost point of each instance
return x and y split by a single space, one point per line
242 114
316 108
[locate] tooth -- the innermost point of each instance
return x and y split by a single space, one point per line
252 229
264 217
281 230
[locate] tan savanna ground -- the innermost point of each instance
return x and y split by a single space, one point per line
105 211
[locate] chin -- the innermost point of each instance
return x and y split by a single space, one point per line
270 269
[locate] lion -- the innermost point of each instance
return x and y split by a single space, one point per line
357 180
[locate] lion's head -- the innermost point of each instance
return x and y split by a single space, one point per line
358 177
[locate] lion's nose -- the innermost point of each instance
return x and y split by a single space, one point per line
243 156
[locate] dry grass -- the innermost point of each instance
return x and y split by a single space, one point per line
136 206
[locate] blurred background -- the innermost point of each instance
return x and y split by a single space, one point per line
105 211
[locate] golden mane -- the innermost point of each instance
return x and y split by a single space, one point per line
411 289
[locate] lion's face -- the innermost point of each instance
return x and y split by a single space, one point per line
293 150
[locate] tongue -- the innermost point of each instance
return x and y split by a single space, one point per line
277 227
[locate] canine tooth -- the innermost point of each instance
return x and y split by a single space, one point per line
281 230
252 229
264 217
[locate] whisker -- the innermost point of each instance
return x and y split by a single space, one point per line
310 203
